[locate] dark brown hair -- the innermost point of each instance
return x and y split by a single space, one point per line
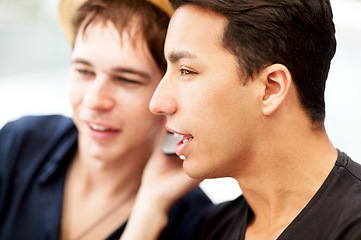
299 34
153 22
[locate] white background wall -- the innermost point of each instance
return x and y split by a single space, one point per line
34 63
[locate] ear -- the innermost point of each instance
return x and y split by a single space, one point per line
277 80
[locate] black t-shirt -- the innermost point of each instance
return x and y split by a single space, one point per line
333 213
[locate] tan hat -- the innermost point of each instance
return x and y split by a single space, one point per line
67 9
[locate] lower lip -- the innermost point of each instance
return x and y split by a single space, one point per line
101 135
181 147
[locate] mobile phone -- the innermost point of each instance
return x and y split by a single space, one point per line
169 143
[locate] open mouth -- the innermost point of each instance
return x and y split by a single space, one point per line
185 139
183 144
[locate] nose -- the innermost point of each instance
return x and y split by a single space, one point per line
163 101
99 95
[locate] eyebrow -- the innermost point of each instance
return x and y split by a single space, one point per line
176 56
81 61
116 69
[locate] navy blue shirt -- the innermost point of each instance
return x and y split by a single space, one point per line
35 153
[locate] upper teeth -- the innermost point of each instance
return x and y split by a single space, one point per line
186 140
98 127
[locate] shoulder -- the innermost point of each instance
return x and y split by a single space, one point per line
340 204
343 186
351 168
26 138
32 129
36 125
348 179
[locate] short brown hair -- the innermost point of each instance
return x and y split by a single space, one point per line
153 21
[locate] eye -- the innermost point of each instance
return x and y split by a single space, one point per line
184 72
84 72
127 81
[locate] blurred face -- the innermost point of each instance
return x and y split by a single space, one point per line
111 83
203 97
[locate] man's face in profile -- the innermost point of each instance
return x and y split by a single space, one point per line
203 96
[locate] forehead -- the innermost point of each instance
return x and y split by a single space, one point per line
195 29
104 37
130 27
103 47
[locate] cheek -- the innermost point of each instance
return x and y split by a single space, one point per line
76 91
143 124
136 107
223 118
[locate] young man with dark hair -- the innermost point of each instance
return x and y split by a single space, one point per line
245 87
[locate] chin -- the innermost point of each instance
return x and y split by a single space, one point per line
194 171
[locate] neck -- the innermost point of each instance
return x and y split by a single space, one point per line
283 176
99 195
109 178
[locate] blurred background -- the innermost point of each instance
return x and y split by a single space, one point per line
34 61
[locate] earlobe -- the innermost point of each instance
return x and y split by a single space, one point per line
277 82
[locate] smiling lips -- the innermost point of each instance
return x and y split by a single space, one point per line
100 128
183 144
101 132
